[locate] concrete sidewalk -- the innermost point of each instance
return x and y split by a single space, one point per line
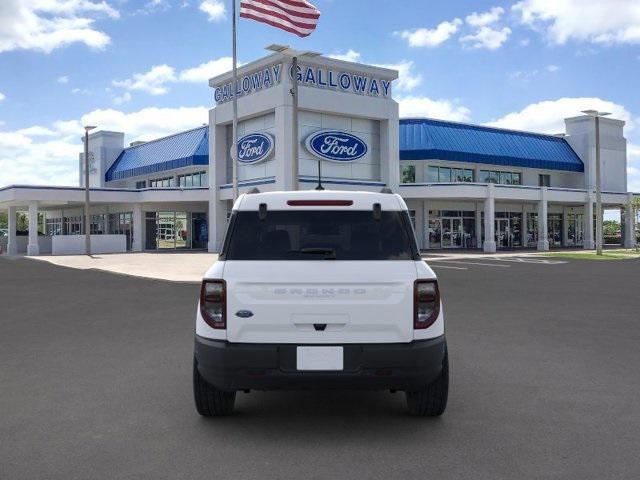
175 267
190 266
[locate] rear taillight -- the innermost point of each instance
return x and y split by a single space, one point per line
213 299
426 303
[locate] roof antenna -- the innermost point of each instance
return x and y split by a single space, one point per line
319 187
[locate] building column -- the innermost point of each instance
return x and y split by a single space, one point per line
589 242
629 224
218 208
283 140
136 244
12 246
489 245
478 226
543 238
565 227
425 225
32 247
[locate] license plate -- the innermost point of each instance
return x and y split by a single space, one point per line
320 358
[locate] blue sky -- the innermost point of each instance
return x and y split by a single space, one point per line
142 66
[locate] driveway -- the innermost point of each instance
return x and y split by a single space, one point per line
96 383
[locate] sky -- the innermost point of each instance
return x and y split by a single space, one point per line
141 66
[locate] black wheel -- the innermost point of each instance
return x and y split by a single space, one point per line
211 402
431 401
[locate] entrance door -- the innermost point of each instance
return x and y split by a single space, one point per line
451 232
504 237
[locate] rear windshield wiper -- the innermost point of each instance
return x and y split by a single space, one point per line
330 253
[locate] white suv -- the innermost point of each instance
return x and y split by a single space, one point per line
320 289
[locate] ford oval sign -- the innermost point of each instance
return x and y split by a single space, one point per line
336 146
255 148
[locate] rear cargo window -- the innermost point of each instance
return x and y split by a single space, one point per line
320 235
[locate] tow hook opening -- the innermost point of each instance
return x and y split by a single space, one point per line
320 327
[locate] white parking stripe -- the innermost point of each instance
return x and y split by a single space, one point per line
446 266
456 262
530 260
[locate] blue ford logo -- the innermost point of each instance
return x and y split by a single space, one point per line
255 147
336 146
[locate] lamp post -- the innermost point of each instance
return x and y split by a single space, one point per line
87 217
295 145
596 114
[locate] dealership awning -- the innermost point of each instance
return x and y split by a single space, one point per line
428 139
176 151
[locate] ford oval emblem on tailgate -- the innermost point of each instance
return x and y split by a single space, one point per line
244 313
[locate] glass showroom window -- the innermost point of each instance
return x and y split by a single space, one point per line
162 182
53 226
544 180
408 174
142 184
504 178
198 179
97 224
447 174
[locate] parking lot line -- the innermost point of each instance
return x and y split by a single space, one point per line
531 260
446 266
456 262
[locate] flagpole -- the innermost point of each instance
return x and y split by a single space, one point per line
234 146
294 126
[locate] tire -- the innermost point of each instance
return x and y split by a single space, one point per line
211 402
432 401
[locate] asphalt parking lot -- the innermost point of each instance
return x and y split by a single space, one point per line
95 382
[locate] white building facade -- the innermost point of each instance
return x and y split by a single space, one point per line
467 186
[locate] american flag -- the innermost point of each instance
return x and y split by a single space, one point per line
294 16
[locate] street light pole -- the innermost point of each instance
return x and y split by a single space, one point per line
598 191
87 217
596 114
295 146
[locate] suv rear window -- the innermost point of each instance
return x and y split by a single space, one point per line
320 235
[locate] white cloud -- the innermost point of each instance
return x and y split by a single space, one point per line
487 37
214 9
420 106
349 56
48 155
63 79
596 21
203 72
120 99
525 42
2 96
154 81
486 18
424 37
526 75
407 78
548 116
45 25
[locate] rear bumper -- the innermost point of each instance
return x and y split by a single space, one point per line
243 366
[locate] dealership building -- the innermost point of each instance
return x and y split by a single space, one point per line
467 186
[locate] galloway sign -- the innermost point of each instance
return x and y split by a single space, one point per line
328 78
336 146
248 84
254 148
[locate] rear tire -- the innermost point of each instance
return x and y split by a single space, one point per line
211 402
432 401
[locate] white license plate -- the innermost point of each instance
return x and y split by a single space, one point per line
320 358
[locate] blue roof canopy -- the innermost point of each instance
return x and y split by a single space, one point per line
183 149
427 139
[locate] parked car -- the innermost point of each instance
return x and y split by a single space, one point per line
316 290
